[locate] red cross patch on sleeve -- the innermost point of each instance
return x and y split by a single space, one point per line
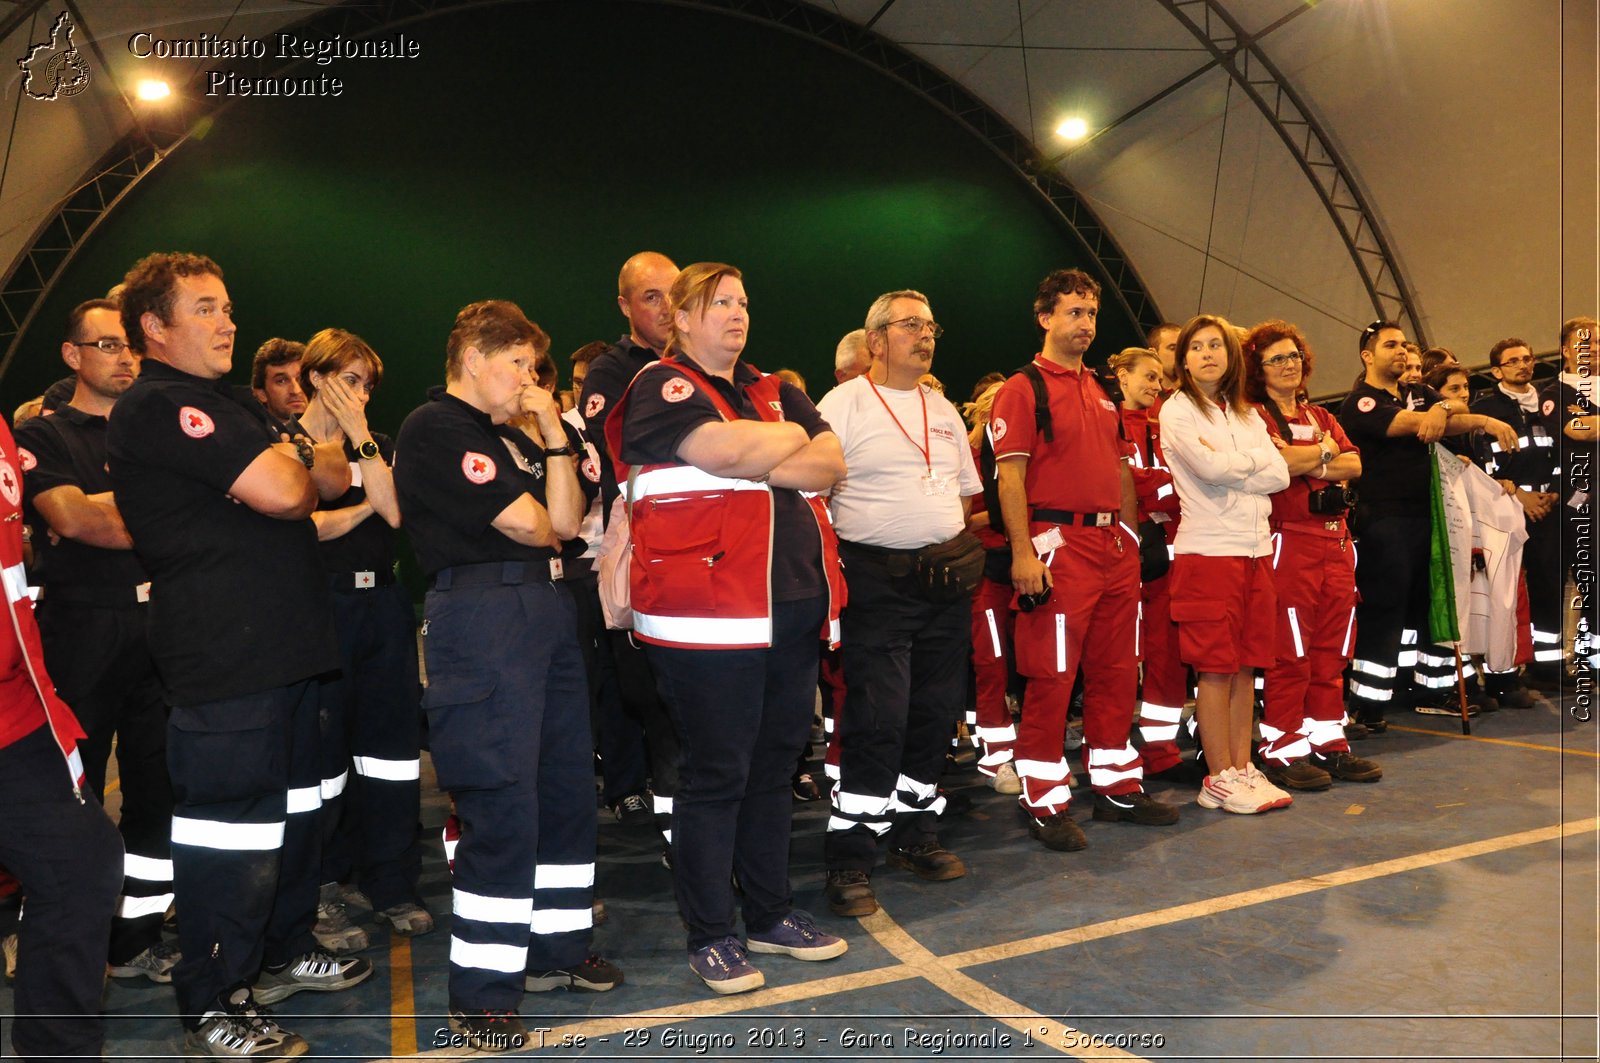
1366 403
677 389
28 462
479 468
596 403
196 424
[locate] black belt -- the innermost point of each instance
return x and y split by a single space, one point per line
488 574
123 596
1066 517
884 552
577 568
361 581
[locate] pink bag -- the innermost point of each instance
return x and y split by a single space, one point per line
616 562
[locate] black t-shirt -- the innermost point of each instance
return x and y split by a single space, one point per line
455 471
1538 455
1394 469
238 602
369 546
609 376
657 425
68 449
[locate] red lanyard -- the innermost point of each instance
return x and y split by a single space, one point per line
927 452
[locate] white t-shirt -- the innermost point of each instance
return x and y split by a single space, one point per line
882 500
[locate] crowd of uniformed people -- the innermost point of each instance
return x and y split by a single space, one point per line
665 565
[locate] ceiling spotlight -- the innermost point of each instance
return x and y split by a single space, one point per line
1072 129
152 89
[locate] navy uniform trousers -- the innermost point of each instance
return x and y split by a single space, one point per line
905 674
245 838
371 734
66 854
508 730
742 716
101 664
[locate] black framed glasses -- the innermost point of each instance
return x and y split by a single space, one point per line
1277 361
109 344
915 325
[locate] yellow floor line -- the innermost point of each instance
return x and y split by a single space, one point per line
916 961
1495 741
402 999
981 998
1281 891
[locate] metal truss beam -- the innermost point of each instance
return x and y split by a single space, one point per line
1241 55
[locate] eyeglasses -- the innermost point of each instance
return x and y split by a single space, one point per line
105 343
1525 360
1286 358
915 325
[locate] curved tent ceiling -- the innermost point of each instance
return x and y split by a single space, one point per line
1468 128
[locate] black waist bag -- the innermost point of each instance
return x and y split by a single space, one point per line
948 571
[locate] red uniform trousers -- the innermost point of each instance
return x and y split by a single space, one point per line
1166 678
1091 619
992 622
1316 583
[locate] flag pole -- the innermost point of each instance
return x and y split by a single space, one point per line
1461 692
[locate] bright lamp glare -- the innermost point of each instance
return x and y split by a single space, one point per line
152 89
1072 129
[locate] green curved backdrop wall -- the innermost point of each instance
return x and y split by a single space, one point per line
532 147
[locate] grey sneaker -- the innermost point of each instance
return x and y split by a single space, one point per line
336 931
1005 780
407 919
155 963
317 970
241 1029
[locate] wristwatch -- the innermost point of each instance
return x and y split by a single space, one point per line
563 451
1325 455
1446 407
308 457
367 451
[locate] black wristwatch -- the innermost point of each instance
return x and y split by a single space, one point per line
367 451
308 457
563 451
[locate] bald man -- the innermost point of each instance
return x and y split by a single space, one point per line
644 286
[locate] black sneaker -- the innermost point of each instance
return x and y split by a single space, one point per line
956 803
1057 831
930 861
1136 807
633 810
239 1028
1347 766
318 970
850 893
1300 774
593 975
487 1030
1190 771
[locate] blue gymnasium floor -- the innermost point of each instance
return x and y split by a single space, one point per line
1447 912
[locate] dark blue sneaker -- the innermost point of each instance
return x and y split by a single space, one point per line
798 936
724 967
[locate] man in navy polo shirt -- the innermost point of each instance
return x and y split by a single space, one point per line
240 628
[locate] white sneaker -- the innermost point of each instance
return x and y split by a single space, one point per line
1005 779
1270 796
1229 790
